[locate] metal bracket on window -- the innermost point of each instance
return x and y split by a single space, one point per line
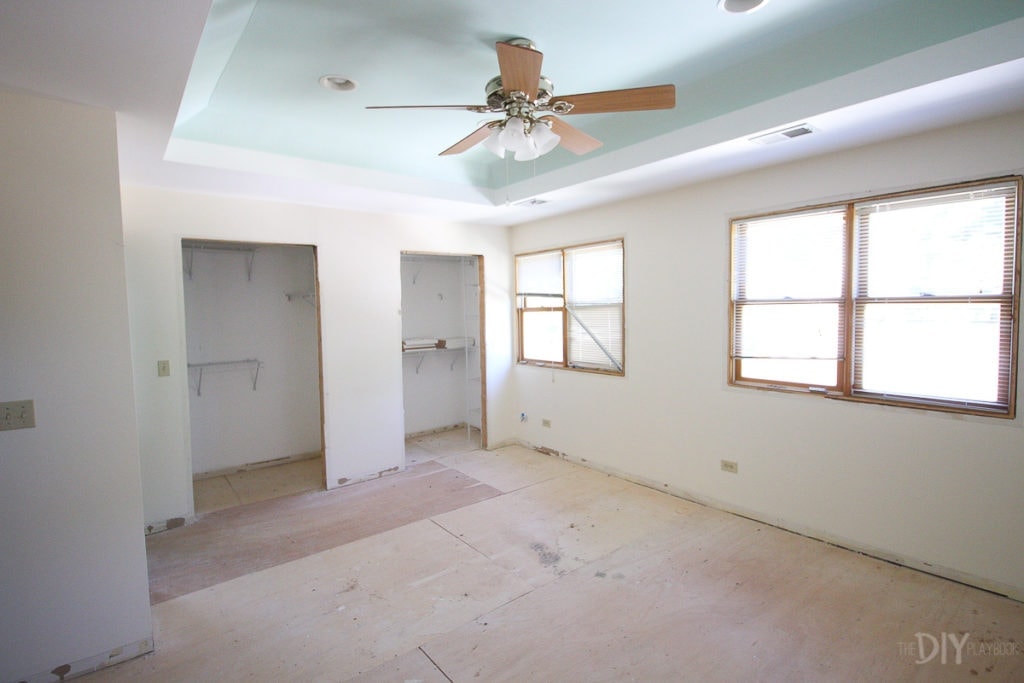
597 341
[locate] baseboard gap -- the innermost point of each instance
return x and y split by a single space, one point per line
248 467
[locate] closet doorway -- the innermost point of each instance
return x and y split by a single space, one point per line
443 354
253 339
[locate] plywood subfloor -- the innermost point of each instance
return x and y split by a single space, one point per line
251 486
239 540
559 573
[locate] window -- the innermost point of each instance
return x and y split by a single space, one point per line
570 307
908 299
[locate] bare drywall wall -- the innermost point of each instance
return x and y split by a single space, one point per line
254 378
360 299
73 586
937 491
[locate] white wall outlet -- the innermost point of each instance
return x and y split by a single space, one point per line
545 422
17 415
731 466
163 368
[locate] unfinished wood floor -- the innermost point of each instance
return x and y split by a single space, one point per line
250 486
515 566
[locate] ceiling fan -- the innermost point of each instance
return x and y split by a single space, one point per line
527 101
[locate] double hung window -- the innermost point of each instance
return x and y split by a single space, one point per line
570 307
908 299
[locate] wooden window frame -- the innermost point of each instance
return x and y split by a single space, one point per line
847 369
521 309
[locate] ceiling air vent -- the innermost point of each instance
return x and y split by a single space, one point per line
784 134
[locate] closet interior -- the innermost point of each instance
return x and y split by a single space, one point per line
253 347
442 345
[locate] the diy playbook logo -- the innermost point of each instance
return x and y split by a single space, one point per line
952 648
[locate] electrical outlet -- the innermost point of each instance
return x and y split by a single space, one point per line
17 415
731 466
545 422
163 368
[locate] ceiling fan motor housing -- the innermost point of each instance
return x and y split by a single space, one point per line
496 95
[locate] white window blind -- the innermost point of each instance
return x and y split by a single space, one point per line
788 308
571 306
594 301
905 299
934 296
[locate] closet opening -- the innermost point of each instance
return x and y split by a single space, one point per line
443 354
253 341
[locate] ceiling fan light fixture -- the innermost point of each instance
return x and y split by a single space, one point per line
523 96
528 151
545 139
513 134
741 6
492 144
525 143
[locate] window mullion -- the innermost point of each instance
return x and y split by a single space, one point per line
565 314
846 363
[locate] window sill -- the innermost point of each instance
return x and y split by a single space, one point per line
932 407
559 366
873 400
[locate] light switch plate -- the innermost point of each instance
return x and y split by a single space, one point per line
163 368
17 415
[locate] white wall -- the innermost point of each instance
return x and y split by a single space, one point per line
439 300
359 258
73 586
229 317
934 490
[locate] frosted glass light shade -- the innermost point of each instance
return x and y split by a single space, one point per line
493 144
528 150
513 135
545 139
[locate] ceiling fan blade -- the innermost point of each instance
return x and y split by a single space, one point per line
460 107
630 99
520 68
573 139
474 138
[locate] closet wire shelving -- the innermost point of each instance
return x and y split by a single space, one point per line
467 343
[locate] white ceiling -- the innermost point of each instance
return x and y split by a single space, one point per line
223 97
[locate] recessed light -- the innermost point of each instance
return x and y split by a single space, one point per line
740 6
337 83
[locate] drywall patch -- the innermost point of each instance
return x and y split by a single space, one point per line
369 477
551 451
172 523
95 663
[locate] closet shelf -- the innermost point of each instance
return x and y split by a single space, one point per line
421 346
425 344
221 366
192 246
